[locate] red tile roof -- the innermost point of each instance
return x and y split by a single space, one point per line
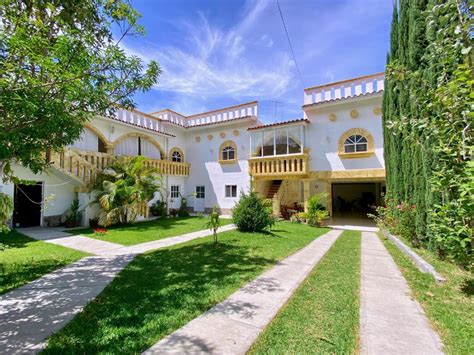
303 120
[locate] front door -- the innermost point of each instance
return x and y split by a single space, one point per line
175 197
27 205
199 200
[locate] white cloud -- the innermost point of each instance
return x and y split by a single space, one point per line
213 62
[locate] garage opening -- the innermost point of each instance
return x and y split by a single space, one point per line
356 200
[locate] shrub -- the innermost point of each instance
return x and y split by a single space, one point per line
183 208
158 209
214 222
251 214
316 209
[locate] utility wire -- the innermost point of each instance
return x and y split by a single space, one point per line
289 42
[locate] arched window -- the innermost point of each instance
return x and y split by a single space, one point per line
176 156
356 143
228 152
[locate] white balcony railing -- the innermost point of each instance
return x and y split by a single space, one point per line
226 114
139 119
344 89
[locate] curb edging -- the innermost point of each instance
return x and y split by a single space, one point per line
420 263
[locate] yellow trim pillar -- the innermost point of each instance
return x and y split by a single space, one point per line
306 193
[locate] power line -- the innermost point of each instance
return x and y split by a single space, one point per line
289 42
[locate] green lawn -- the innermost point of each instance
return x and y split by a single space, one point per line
161 291
450 305
142 232
323 315
26 259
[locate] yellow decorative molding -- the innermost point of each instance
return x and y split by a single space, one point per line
332 117
354 113
198 139
356 175
210 136
228 143
222 134
236 132
351 132
176 149
280 166
106 142
377 111
142 136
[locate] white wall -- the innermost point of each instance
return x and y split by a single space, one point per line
58 192
322 135
207 171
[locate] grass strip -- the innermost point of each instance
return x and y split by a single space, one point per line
161 291
323 314
142 232
25 259
449 305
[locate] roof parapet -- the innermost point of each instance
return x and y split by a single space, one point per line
362 85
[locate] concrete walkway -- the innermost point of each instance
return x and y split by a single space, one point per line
391 322
33 312
104 248
232 326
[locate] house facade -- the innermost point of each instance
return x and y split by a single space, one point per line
210 158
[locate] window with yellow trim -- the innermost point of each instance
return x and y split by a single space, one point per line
356 143
228 152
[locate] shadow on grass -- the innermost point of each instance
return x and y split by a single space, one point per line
14 240
156 294
17 274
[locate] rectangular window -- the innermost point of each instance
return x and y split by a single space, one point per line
230 190
174 191
200 192
256 144
281 141
295 139
268 143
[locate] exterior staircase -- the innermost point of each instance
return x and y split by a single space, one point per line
273 189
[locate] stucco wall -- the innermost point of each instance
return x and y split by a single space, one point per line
322 134
207 171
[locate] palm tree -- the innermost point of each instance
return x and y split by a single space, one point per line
122 187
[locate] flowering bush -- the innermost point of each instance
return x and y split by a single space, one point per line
100 232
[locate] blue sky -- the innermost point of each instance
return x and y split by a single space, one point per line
217 53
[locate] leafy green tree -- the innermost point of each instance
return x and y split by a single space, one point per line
214 222
123 187
428 125
60 65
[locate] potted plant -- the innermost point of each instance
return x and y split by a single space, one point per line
74 214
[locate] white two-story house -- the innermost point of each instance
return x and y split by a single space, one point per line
335 147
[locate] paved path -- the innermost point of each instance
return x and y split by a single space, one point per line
391 322
100 247
33 312
232 326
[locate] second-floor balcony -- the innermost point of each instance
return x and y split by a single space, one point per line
277 150
84 165
284 166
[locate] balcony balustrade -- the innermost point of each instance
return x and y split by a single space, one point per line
83 166
295 165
